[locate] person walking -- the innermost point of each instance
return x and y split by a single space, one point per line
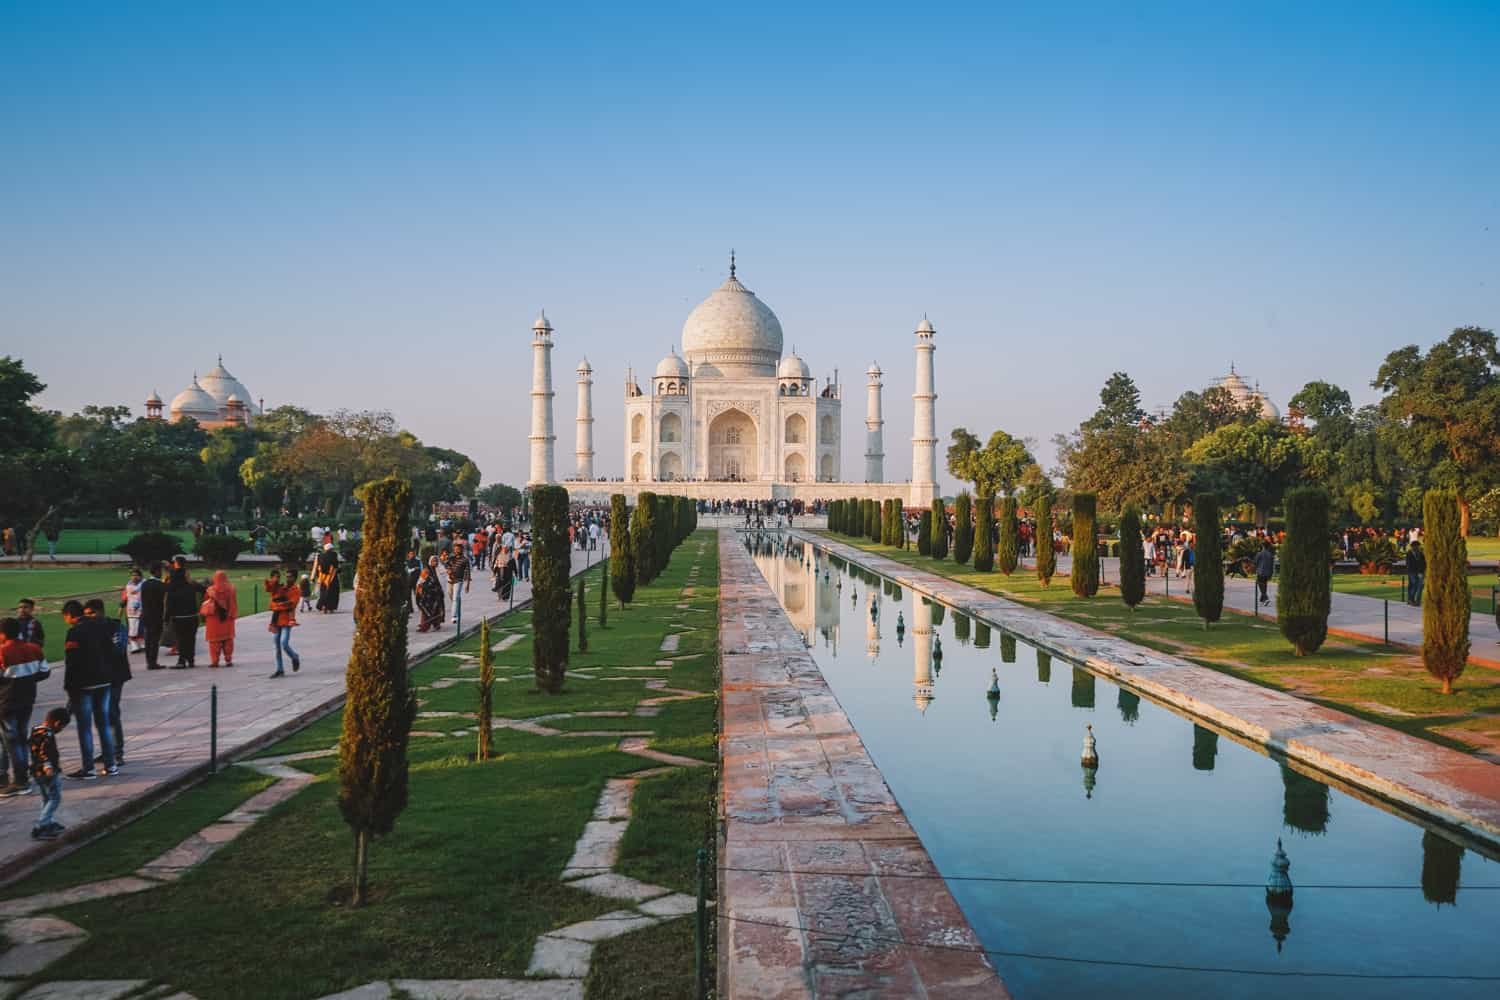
1416 573
24 665
153 615
284 598
328 579
182 611
1265 566
221 607
86 678
429 598
523 556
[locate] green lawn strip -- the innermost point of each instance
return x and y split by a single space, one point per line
146 838
1355 676
631 967
468 879
51 588
1389 587
659 847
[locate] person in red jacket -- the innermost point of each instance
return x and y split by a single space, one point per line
284 598
23 665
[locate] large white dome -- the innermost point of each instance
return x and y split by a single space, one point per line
732 333
221 385
194 402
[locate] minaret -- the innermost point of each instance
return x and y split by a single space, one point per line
874 433
921 651
542 437
924 432
584 449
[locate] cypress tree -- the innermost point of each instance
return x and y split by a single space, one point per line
1085 576
924 534
1132 559
984 533
1046 555
1007 647
1445 601
963 527
643 537
603 594
893 518
485 716
1009 554
661 533
1303 594
621 551
551 597
961 628
872 520
583 616
939 529
833 515
885 522
379 706
1043 667
1208 559
1083 688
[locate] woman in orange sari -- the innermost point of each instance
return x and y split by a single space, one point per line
220 608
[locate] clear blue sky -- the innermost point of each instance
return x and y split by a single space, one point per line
364 205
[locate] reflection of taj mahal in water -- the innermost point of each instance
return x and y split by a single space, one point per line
731 417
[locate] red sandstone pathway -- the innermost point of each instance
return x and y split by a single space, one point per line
800 793
166 712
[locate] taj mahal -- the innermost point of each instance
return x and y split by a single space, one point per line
734 417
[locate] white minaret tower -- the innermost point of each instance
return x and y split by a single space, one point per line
584 450
874 432
924 431
542 437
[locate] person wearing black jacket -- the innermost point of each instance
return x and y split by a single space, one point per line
182 600
153 614
88 652
119 672
1416 574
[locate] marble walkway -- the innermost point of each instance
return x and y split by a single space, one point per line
560 958
167 721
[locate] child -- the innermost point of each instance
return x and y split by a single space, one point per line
46 769
304 587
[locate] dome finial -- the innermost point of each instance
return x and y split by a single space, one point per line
731 262
221 359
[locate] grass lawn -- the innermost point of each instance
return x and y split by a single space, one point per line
469 878
1390 587
51 588
91 541
1363 678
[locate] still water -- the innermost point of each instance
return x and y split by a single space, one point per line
996 790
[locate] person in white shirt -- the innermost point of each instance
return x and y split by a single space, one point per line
317 537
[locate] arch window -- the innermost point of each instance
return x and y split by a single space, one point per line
796 429
637 428
671 428
732 435
825 428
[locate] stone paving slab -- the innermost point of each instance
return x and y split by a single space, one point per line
555 956
799 792
166 714
85 989
1461 790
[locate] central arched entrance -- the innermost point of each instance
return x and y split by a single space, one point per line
732 447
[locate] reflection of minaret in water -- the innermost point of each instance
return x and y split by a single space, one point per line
921 652
872 629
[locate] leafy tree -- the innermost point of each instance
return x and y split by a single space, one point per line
924 534
466 480
1444 412
1445 601
1010 539
1208 559
622 571
1302 599
1085 575
997 467
500 495
984 533
551 597
486 714
23 428
963 527
1046 556
1132 559
643 537
379 707
1255 463
939 546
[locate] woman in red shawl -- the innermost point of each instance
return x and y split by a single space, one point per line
429 601
220 608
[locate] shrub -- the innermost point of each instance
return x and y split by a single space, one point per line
1132 559
219 550
643 537
1376 555
485 716
294 546
1302 596
924 534
152 546
621 551
963 527
1046 555
939 530
1008 556
1085 576
379 707
984 534
551 598
1208 559
1445 601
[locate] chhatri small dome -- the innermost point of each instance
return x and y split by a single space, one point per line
194 402
874 370
221 385
733 332
792 366
925 326
672 366
541 323
153 399
584 368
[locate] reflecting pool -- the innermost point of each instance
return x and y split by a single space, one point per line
1051 858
